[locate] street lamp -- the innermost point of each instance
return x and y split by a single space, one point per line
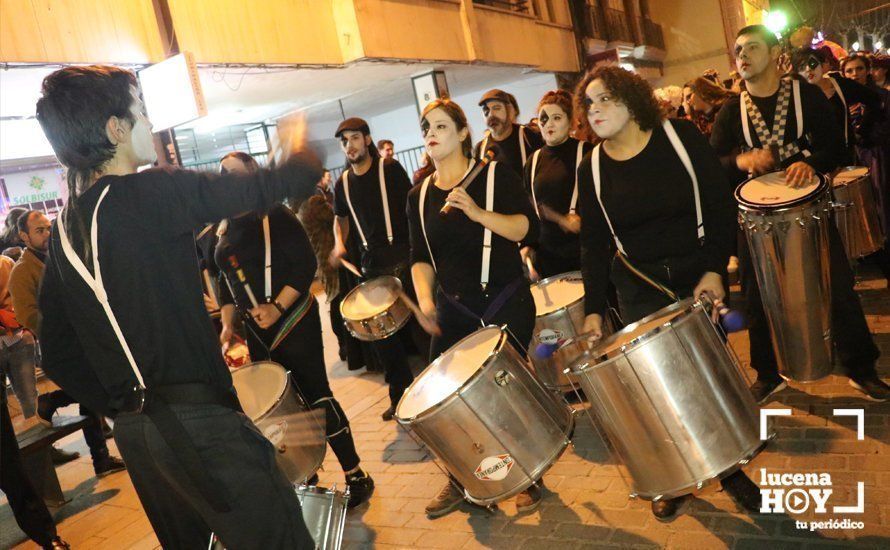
776 21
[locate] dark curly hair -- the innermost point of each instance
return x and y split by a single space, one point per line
629 88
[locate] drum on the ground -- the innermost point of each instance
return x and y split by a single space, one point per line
672 401
487 418
324 511
373 310
559 303
297 432
787 233
856 212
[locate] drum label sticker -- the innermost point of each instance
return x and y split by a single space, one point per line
494 468
275 432
550 336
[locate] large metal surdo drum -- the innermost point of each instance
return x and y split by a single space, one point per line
483 413
787 232
559 303
324 511
671 400
297 432
856 213
373 311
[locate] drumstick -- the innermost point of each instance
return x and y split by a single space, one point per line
489 156
233 261
351 268
415 309
533 275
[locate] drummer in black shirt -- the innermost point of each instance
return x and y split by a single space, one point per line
638 194
285 326
815 147
550 177
376 225
516 142
459 281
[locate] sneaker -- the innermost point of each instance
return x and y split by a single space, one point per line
764 388
528 500
61 456
873 387
448 500
666 510
743 492
45 410
388 413
57 544
108 465
361 487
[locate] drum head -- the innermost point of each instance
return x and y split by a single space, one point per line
448 372
370 298
770 191
848 174
557 292
260 387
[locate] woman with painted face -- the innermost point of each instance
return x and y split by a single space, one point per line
465 264
550 177
285 326
638 194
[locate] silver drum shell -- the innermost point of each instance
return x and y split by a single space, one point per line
856 216
324 511
566 321
382 325
789 252
501 410
673 403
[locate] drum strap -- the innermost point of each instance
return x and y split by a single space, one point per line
840 94
776 137
381 179
493 307
155 401
574 203
267 266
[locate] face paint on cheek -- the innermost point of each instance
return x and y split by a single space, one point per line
543 118
143 143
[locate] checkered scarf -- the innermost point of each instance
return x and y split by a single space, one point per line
777 135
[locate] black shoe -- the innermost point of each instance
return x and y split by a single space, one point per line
388 413
342 354
57 544
873 387
312 481
361 487
764 388
743 492
666 510
61 456
448 500
45 410
108 465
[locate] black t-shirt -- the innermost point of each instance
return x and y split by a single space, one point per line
293 261
824 135
651 205
510 154
554 186
364 192
456 242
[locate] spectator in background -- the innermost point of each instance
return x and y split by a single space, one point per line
669 99
880 64
426 168
856 67
13 252
707 99
10 236
686 105
386 148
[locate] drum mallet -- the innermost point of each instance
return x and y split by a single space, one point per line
233 261
490 153
352 269
730 319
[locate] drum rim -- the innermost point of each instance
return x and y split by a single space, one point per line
554 278
319 490
366 283
849 169
597 359
429 411
780 206
287 382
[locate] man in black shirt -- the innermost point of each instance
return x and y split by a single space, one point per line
515 142
125 330
369 209
819 148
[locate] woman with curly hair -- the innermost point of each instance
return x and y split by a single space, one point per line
550 177
654 190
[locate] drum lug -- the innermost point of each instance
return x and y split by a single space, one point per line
633 496
366 325
743 461
801 222
478 448
817 218
699 485
502 378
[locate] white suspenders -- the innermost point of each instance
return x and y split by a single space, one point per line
381 178
522 150
574 203
687 163
840 94
267 275
798 114
486 236
95 283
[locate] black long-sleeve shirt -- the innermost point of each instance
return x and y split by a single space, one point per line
456 241
823 133
150 271
509 152
651 205
293 260
857 127
554 185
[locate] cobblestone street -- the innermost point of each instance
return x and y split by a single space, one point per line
586 503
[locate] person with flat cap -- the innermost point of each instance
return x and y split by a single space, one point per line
370 222
516 142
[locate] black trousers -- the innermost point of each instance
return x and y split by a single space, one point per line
265 511
92 432
302 353
853 342
518 313
27 506
549 264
